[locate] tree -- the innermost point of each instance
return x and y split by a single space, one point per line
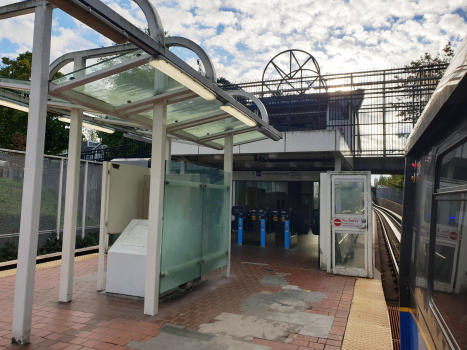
13 123
395 181
418 86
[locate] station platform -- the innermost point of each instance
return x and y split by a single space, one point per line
275 299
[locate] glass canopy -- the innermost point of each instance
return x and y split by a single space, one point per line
125 87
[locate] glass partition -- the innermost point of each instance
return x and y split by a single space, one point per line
195 235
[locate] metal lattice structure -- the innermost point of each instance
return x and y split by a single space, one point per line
374 110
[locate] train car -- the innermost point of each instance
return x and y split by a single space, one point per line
433 263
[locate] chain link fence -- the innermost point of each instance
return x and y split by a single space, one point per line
391 194
53 193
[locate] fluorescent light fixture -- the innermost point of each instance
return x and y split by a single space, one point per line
89 126
234 112
184 79
14 106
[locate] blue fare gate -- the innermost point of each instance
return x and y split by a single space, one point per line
287 232
240 230
263 232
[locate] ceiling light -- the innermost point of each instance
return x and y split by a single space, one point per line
14 106
234 112
184 79
89 126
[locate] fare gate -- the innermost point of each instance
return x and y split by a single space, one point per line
347 242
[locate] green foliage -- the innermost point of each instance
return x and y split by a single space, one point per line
13 123
405 104
8 251
52 245
395 181
111 140
226 84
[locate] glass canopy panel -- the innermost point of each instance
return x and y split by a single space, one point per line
191 109
98 66
245 137
130 86
215 127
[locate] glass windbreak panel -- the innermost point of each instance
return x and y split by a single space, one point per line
453 170
450 270
190 109
350 250
103 64
216 216
349 197
215 127
182 229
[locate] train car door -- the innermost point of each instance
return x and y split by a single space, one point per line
351 237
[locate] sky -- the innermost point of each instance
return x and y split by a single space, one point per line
241 36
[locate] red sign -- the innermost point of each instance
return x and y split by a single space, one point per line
453 236
348 223
337 222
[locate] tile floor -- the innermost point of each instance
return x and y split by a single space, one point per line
97 321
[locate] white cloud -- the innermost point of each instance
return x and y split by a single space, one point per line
241 36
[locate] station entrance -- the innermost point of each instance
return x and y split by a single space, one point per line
279 214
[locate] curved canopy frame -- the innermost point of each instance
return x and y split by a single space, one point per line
156 30
176 41
256 100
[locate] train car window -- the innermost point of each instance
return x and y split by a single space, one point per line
453 169
449 284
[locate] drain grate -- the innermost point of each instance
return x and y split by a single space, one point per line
268 270
393 312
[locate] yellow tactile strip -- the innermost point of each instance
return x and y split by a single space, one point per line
47 265
368 325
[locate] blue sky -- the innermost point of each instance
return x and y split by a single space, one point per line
241 36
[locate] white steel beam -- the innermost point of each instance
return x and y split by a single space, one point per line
65 293
209 118
228 168
59 206
85 195
150 101
14 86
222 134
156 204
32 185
101 74
168 155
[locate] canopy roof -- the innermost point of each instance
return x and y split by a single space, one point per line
122 91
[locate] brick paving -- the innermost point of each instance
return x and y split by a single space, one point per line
97 321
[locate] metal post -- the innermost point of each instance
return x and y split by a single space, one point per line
228 168
32 185
156 203
59 207
71 206
168 155
384 114
103 231
85 187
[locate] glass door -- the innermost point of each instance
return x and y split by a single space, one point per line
349 222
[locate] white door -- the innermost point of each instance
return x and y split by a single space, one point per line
351 240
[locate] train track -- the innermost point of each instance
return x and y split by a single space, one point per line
389 237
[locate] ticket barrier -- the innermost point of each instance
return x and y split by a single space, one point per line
290 237
274 222
237 222
267 237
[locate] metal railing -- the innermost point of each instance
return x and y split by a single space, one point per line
390 193
53 192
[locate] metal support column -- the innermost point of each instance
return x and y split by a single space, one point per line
228 168
32 185
168 155
384 114
85 186
60 191
71 206
103 231
156 203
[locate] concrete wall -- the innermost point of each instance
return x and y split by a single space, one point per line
396 208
